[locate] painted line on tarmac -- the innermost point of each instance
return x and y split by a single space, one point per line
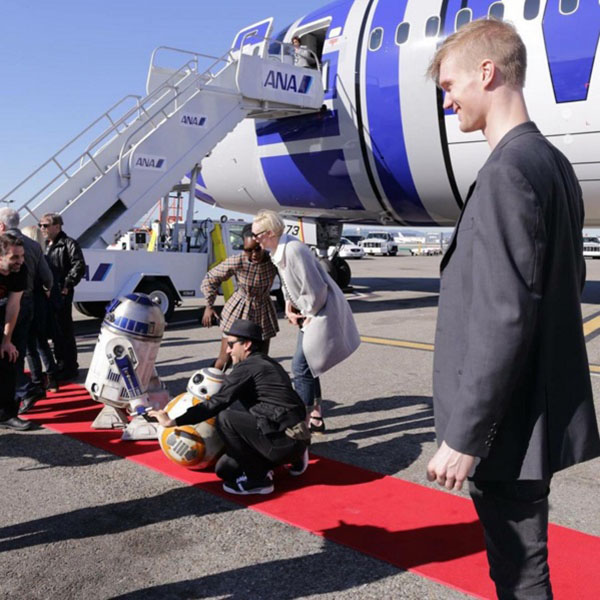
594 369
397 343
591 326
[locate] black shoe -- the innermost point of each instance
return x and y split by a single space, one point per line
242 486
16 424
29 400
69 375
51 383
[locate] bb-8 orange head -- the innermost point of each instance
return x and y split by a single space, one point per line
193 446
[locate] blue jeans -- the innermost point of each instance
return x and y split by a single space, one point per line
306 385
19 339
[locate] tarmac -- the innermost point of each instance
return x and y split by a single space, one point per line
78 522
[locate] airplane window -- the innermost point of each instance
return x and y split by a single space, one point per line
532 9
568 7
376 38
432 27
463 16
496 11
402 33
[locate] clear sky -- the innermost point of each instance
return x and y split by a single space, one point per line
64 62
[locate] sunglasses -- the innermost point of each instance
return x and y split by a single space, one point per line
230 345
257 235
44 225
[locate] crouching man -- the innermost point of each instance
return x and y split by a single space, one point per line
261 419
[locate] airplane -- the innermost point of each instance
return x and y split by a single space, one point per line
382 149
362 139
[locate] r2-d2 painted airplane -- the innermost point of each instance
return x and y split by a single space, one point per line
383 149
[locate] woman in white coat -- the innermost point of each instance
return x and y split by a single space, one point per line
327 331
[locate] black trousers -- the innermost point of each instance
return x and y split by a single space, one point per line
248 450
514 515
8 379
63 331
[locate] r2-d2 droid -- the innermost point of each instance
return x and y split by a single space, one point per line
122 374
193 446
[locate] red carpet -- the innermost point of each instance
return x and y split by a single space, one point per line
413 527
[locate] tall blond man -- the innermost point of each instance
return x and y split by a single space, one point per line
512 394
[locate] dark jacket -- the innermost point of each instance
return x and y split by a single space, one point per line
262 387
37 266
511 378
66 261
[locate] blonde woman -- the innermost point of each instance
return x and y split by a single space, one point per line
327 333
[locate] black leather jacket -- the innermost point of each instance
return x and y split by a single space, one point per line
66 261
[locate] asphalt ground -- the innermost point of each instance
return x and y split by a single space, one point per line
78 522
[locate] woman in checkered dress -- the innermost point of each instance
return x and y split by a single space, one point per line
254 273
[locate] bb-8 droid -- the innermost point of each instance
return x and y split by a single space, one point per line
193 446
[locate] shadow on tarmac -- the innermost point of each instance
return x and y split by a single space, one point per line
314 574
109 519
397 451
412 284
373 305
51 451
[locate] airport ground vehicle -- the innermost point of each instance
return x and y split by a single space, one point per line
379 243
166 266
591 247
425 251
347 249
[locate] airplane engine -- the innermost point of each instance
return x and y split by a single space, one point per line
193 446
122 374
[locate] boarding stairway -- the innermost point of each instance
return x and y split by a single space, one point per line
111 174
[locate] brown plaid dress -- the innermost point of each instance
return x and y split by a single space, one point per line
251 299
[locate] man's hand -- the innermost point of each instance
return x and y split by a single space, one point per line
207 317
162 417
65 291
9 350
450 468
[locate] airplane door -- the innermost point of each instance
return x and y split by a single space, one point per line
251 39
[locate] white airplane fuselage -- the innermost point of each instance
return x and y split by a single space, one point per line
382 149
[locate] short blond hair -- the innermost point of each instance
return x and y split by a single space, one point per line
481 39
269 220
34 233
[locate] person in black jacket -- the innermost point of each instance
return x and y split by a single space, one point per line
261 419
13 280
27 391
68 267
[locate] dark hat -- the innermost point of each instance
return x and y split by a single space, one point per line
245 329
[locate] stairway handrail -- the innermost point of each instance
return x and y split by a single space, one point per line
196 55
126 147
139 107
69 143
185 70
